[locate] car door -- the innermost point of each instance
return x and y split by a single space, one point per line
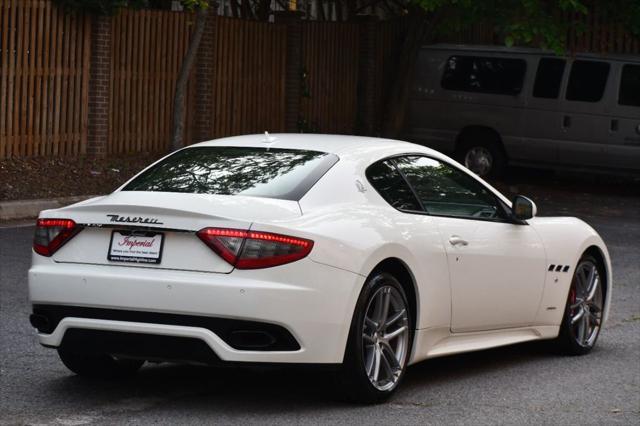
496 267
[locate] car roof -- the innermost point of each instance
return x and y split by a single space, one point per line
341 145
529 51
355 149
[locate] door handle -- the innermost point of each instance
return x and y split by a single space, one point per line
566 122
614 125
455 240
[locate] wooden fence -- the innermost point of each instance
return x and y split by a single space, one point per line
46 62
146 55
330 77
596 33
389 35
248 77
44 81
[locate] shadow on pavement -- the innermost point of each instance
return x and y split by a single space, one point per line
276 389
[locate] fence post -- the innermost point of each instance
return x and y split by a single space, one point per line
99 86
367 74
293 70
204 79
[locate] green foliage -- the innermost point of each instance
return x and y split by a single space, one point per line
195 4
110 7
541 23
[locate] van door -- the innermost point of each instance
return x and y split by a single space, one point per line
585 118
624 124
543 115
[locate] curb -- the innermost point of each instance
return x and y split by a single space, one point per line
28 209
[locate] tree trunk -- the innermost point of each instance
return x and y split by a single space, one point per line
177 137
235 8
419 29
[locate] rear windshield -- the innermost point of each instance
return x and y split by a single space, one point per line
285 174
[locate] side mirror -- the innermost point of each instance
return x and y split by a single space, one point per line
523 208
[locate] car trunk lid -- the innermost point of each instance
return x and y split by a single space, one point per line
160 228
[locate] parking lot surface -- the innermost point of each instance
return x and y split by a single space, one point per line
523 384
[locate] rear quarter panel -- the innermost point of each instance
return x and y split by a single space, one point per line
354 229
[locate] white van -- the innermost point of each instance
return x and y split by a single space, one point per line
492 106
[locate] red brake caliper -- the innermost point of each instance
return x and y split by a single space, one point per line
572 298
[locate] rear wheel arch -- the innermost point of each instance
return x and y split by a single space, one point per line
403 274
354 377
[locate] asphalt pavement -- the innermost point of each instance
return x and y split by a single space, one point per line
522 384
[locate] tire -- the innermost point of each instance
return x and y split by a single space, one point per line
583 310
98 365
482 153
378 349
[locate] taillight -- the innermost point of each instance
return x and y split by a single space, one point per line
254 249
51 234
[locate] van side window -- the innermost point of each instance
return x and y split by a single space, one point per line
549 78
587 81
501 76
630 86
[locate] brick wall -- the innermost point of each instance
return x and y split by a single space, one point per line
99 87
204 83
293 78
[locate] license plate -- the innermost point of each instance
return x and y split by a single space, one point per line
137 247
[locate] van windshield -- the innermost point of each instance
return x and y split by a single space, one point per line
259 172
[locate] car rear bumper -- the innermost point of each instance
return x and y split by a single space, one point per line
298 313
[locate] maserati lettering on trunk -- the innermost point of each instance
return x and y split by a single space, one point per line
134 219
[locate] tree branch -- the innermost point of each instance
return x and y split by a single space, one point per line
177 138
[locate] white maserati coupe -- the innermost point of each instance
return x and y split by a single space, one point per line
363 254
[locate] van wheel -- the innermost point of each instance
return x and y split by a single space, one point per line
483 157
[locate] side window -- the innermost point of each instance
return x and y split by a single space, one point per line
390 184
446 191
630 86
501 76
548 78
587 81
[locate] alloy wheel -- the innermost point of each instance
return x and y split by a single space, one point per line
385 338
586 304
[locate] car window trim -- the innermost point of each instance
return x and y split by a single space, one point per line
406 181
390 160
311 179
505 208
